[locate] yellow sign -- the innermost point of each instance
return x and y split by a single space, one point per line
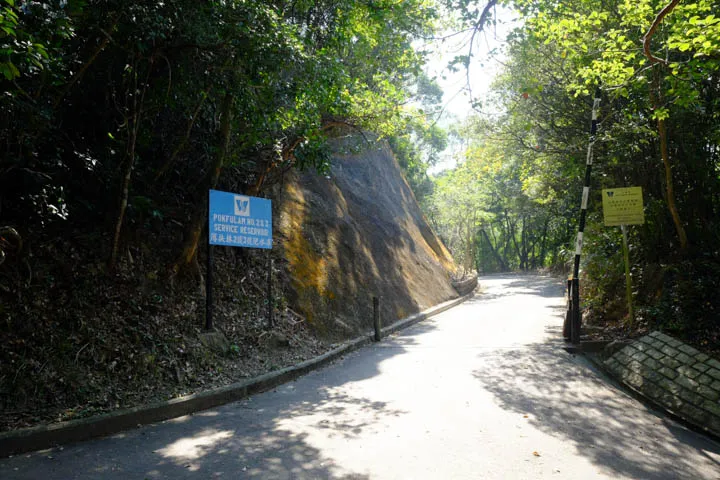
623 206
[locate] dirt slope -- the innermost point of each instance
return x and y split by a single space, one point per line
78 342
356 233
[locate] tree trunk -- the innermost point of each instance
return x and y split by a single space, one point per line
506 245
288 154
85 66
185 139
134 128
656 96
524 246
494 251
470 244
199 217
543 245
511 229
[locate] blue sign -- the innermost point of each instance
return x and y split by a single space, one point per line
239 220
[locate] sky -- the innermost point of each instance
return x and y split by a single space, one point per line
488 55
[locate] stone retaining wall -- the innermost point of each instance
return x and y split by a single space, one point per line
466 285
674 375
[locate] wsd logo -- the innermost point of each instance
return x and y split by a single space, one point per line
242 205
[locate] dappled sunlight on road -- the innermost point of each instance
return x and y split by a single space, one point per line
484 390
194 447
563 397
340 415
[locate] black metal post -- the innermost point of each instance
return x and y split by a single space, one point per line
208 275
271 321
575 320
568 314
376 318
209 289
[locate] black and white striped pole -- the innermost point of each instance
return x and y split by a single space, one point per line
573 318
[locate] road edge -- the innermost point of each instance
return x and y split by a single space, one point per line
41 437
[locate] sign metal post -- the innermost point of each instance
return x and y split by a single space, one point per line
623 207
628 280
270 319
209 289
235 221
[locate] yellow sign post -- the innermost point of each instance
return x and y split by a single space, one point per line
624 206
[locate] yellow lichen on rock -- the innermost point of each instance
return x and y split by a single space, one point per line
308 268
358 233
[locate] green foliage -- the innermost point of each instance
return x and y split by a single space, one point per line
30 35
517 188
419 140
565 50
601 42
495 211
115 119
91 84
522 174
687 302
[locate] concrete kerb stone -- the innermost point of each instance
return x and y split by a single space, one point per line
419 317
47 436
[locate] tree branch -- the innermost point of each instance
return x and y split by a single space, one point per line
79 74
479 25
646 38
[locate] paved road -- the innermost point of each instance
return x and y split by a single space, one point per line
481 391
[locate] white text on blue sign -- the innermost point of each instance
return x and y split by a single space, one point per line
239 220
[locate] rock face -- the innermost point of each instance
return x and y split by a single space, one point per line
356 233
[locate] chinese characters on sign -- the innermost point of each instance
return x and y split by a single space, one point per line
239 220
623 206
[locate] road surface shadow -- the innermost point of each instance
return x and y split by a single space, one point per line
565 398
278 454
545 286
234 441
252 438
264 444
407 337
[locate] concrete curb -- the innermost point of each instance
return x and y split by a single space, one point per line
46 436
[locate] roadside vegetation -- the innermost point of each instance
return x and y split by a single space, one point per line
116 117
513 201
